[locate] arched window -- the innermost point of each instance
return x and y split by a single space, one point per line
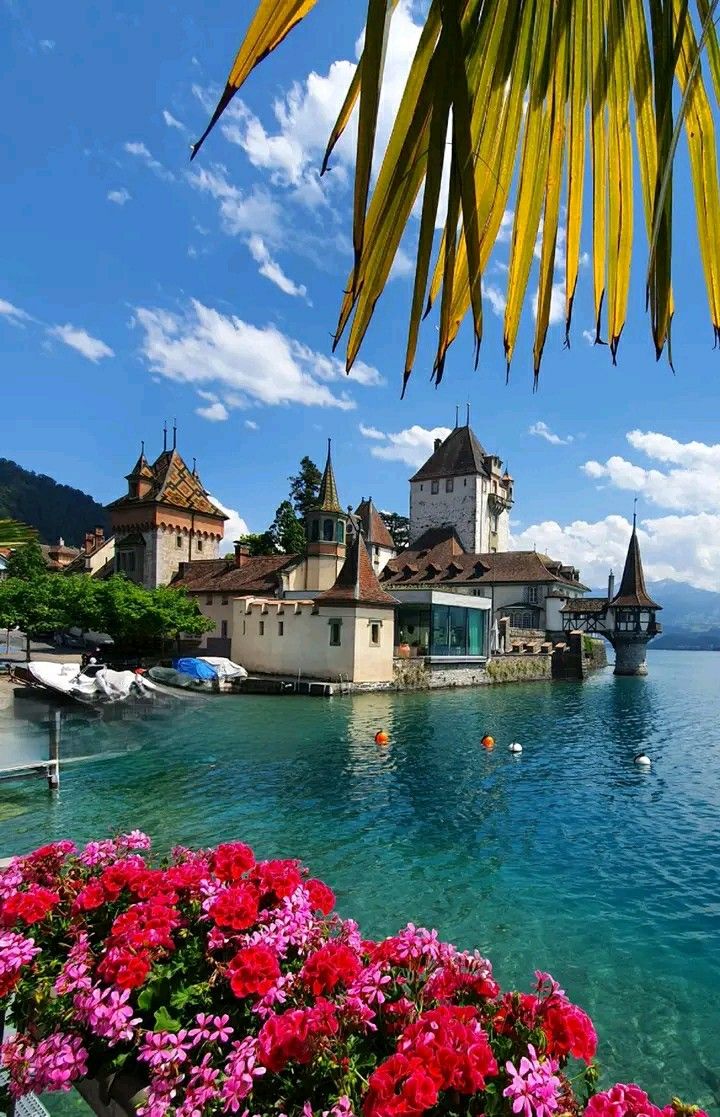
340 531
315 531
328 530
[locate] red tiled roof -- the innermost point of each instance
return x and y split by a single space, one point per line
373 526
585 605
258 575
357 582
440 548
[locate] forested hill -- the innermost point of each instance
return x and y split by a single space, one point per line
55 510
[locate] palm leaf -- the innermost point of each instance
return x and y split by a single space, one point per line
529 89
15 534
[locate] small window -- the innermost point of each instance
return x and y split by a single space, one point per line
377 552
131 560
281 628
449 485
315 531
375 635
199 544
531 595
178 541
434 486
328 531
208 599
244 627
223 628
421 488
261 628
335 634
225 600
340 531
464 482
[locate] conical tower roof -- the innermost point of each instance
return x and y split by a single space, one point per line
633 592
328 500
141 467
357 582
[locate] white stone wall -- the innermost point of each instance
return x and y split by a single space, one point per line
163 556
218 608
304 646
458 509
380 556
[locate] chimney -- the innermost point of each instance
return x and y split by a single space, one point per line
438 444
89 542
242 553
611 586
99 536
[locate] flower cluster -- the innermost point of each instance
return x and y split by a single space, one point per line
226 985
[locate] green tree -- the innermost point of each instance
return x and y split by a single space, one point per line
304 488
37 605
511 99
259 543
27 562
286 531
136 616
399 528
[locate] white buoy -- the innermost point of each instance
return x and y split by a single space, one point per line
515 747
642 760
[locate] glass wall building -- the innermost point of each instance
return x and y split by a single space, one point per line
442 625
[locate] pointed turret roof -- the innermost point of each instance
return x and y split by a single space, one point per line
171 483
328 499
633 592
141 467
357 582
460 454
374 527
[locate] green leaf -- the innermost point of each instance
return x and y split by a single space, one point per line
164 1022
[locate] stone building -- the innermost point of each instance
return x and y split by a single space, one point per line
462 487
96 557
378 540
165 518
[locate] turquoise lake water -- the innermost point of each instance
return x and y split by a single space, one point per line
567 858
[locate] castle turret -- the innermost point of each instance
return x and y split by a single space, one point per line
326 528
633 614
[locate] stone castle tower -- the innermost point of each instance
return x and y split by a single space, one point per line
633 613
326 530
165 518
462 486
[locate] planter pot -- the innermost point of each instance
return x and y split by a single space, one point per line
118 1095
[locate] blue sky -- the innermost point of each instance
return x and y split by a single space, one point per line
137 287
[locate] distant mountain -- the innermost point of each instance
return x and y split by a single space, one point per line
690 617
54 510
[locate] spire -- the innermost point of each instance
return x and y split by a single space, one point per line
633 592
165 437
174 434
467 424
141 467
328 499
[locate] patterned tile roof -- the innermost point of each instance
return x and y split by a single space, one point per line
172 484
328 499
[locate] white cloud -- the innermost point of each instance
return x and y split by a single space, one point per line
371 432
47 45
13 313
235 526
172 121
542 430
682 548
215 412
208 349
413 446
272 270
256 212
691 484
140 151
82 341
495 297
557 304
589 336
119 197
402 265
251 425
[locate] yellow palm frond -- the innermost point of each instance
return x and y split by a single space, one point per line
524 97
15 534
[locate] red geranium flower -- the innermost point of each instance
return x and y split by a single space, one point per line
400 1087
124 968
331 965
30 906
231 861
322 898
569 1030
92 896
253 971
236 908
277 878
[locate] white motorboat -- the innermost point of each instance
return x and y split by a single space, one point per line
100 685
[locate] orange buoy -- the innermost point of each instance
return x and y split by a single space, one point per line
487 741
382 738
